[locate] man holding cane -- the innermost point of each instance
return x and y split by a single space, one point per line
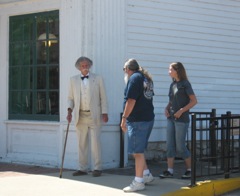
88 99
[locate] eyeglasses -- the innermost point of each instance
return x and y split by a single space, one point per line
124 69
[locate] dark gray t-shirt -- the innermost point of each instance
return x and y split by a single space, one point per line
179 97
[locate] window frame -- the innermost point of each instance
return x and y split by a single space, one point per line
26 87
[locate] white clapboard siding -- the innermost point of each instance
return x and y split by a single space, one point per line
202 35
109 51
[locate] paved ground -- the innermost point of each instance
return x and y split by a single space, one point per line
9 169
25 180
155 167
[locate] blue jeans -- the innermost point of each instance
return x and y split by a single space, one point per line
138 135
176 139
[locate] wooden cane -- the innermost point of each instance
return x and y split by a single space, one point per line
65 143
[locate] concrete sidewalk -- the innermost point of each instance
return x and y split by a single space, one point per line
49 184
107 184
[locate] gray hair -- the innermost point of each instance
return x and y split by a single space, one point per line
81 59
133 65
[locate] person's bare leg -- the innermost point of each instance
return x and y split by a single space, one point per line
145 166
170 162
169 172
138 182
140 164
188 163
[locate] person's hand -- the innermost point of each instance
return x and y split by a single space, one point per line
123 125
167 113
69 117
178 114
105 118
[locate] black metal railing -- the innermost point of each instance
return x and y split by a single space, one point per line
215 144
205 115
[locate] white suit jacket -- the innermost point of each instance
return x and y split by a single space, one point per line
98 99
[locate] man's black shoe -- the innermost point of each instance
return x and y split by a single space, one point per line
96 173
79 173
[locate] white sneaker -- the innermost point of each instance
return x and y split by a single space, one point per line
148 178
135 186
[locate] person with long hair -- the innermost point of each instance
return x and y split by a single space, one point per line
181 100
137 120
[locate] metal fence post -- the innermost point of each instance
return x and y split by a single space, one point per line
227 147
213 137
121 164
193 149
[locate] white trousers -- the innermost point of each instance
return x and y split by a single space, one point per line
88 133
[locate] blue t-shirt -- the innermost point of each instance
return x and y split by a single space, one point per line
141 90
179 97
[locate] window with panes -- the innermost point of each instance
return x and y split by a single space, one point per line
34 66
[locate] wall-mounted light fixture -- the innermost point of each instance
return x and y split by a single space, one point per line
51 39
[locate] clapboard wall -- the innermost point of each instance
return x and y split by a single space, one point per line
203 35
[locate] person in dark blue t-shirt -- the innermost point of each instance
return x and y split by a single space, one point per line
138 120
181 100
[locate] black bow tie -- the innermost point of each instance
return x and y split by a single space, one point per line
84 77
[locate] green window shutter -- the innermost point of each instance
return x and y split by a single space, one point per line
34 66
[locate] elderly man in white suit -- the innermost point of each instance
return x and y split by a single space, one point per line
87 97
